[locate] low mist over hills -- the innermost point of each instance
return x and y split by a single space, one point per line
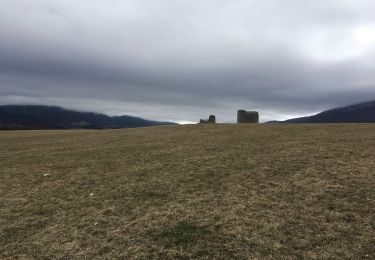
47 117
359 113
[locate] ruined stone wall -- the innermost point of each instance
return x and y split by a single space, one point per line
211 119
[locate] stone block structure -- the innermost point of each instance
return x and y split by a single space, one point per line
244 116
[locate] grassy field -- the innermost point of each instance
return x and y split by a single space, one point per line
202 191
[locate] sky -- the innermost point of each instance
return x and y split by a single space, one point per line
182 60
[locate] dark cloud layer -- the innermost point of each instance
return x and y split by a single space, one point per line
181 60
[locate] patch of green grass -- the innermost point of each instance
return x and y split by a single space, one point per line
201 191
183 234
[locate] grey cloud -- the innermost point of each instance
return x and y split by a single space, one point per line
190 57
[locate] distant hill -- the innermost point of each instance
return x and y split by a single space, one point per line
50 117
359 113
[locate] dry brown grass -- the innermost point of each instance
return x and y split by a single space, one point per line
202 191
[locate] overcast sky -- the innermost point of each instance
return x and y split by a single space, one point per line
182 60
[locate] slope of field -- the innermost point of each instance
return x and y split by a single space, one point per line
200 191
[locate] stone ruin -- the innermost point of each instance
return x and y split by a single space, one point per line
211 120
244 116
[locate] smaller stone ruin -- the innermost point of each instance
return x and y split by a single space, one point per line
244 116
210 120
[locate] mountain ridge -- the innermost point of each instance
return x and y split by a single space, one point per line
357 113
54 117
